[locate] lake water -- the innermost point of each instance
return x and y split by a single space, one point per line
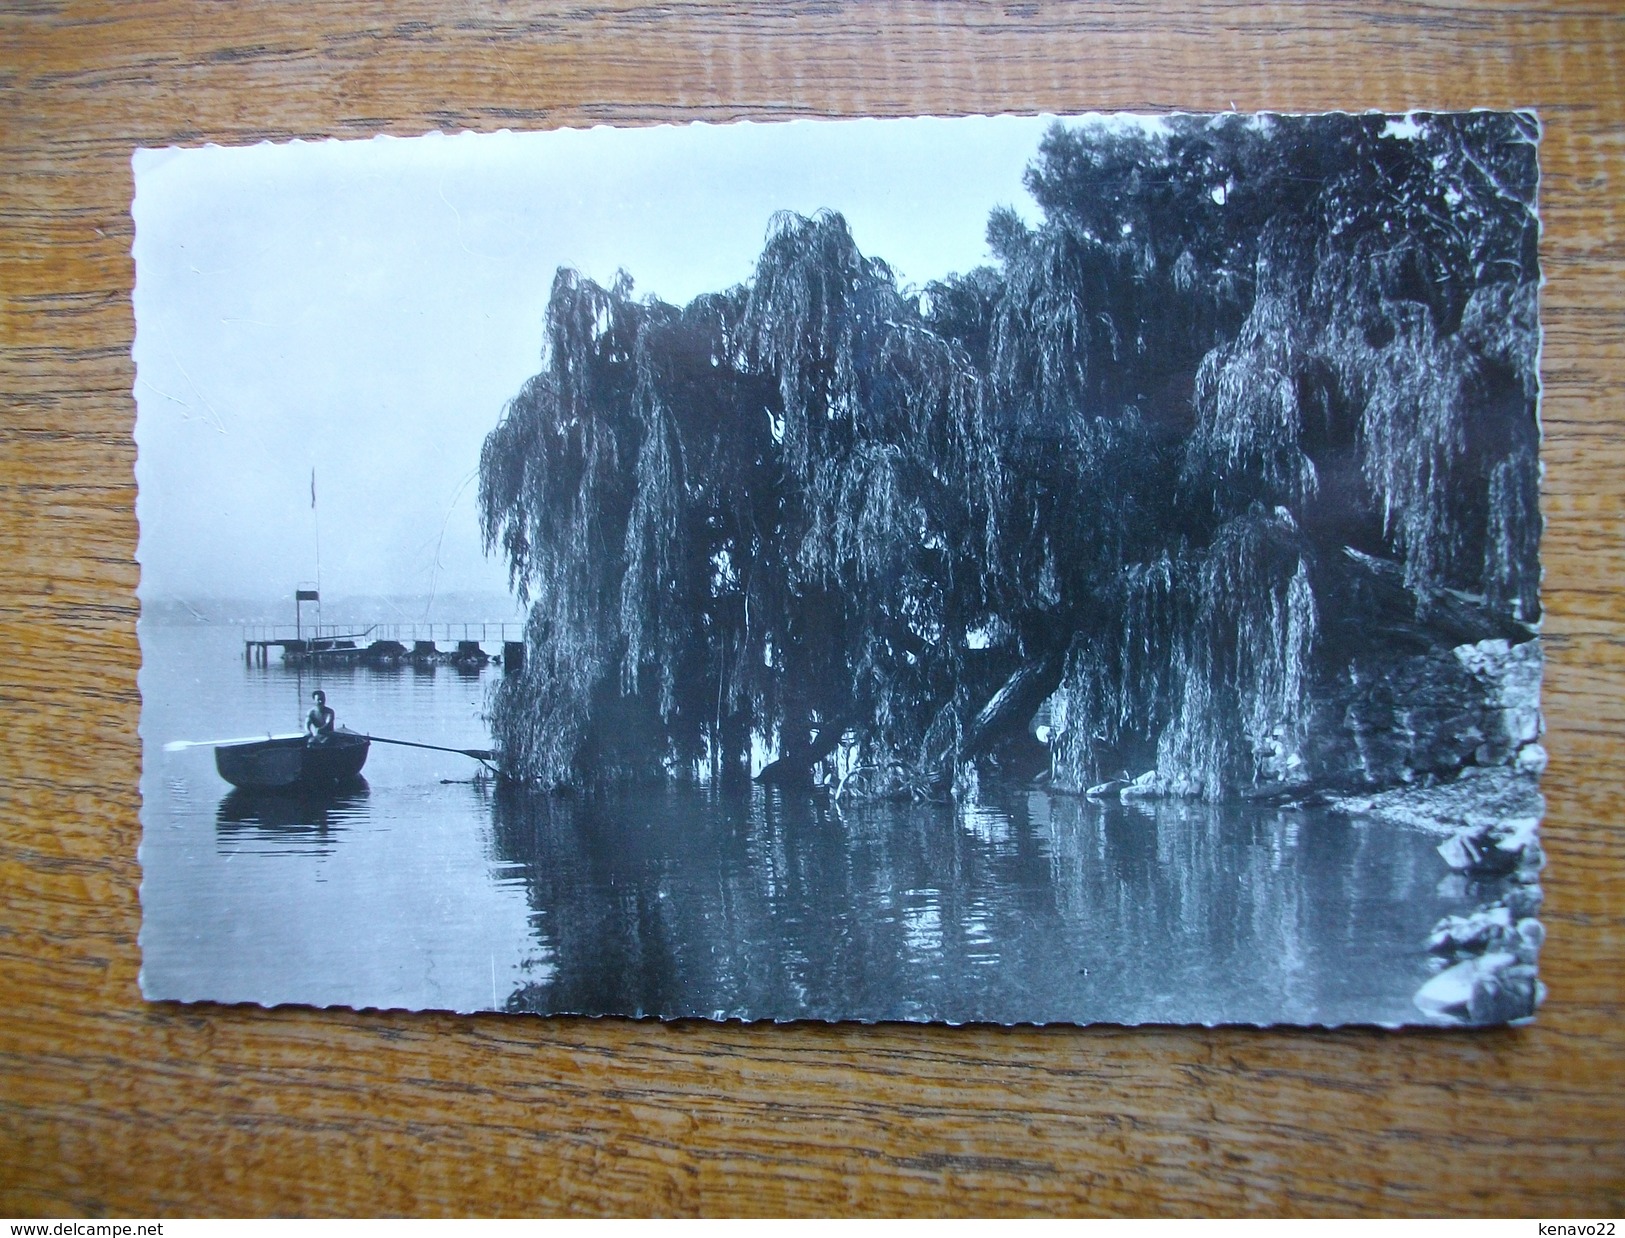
427 890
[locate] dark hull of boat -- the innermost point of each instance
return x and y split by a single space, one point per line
292 764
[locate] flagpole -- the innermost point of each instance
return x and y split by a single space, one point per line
316 517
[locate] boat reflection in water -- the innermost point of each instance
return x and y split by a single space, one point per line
305 821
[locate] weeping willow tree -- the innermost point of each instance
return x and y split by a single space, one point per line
1374 409
1248 382
763 516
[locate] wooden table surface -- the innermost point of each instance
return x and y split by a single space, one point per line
109 1105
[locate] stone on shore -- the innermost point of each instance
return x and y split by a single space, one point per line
1496 847
1145 787
1488 988
1478 933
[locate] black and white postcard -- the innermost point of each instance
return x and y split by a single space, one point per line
991 569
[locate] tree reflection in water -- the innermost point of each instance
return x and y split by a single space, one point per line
749 903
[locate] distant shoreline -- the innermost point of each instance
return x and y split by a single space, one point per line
348 609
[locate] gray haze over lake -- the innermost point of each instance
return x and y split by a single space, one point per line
364 310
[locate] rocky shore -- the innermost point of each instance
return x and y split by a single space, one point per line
1444 740
1489 820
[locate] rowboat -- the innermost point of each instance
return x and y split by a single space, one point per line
293 763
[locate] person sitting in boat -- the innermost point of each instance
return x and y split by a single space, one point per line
320 720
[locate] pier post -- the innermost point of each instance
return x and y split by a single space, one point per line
513 657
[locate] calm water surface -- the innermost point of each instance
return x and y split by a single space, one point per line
425 890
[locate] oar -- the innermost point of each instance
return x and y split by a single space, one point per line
176 745
479 754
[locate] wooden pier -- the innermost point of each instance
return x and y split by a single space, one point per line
385 644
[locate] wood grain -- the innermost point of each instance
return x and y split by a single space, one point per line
111 1105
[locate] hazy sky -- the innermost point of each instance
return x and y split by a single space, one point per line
365 309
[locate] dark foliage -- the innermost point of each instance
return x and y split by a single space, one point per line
1120 468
